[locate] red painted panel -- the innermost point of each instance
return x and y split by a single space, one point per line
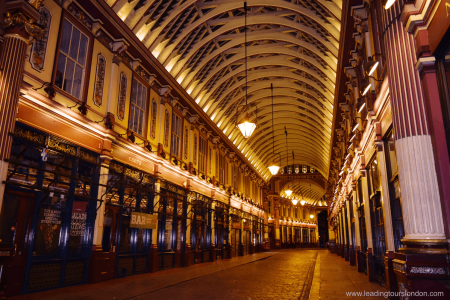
439 25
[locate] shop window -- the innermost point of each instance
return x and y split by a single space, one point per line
138 107
374 179
71 67
202 153
176 135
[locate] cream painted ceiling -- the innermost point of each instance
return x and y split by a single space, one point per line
291 44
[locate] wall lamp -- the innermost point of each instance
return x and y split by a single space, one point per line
389 4
361 104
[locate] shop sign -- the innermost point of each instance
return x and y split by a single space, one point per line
141 220
439 25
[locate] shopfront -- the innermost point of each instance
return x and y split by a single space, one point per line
200 227
246 234
221 227
172 212
129 218
48 212
236 220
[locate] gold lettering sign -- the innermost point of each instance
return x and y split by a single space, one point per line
145 221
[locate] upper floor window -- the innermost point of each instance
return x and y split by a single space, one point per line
176 135
221 168
71 68
202 153
138 107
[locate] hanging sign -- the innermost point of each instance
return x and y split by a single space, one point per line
141 220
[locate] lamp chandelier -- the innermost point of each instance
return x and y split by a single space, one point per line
245 125
273 168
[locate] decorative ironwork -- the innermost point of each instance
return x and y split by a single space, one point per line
186 142
80 15
74 272
39 50
116 168
62 147
399 267
428 270
122 96
195 149
166 129
44 276
153 122
31 136
88 157
99 80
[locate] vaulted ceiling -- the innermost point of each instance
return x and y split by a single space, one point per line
291 44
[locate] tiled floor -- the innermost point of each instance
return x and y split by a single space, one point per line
275 275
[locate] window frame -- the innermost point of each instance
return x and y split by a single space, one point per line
146 112
202 156
180 136
87 69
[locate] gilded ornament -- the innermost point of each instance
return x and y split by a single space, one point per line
31 136
88 157
36 3
19 19
62 147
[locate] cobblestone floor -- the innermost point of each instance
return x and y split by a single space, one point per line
281 276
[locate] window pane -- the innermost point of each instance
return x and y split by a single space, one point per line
136 119
139 95
83 50
69 76
77 81
60 70
65 39
134 89
141 118
74 43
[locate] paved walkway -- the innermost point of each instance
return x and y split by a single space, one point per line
334 278
288 274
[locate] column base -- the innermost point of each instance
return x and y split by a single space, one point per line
371 265
213 255
346 253
332 246
101 266
352 257
241 250
359 260
391 278
153 259
422 266
188 256
277 244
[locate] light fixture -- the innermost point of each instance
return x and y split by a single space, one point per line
351 145
361 104
294 201
245 125
356 127
365 88
353 137
273 168
288 193
389 4
371 66
311 216
302 202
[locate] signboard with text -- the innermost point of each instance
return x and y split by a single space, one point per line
145 221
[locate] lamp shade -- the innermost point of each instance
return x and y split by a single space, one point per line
361 104
246 127
365 88
389 4
294 201
288 192
274 169
302 202
371 66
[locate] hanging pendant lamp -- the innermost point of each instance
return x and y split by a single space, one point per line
274 168
245 125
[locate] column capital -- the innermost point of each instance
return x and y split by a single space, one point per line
20 20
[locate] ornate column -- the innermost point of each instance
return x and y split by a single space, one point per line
153 256
188 259
369 255
19 24
266 224
277 225
100 261
212 252
422 264
351 254
391 279
357 233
